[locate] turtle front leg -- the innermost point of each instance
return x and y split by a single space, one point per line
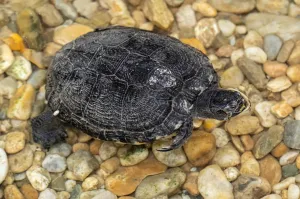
47 129
183 134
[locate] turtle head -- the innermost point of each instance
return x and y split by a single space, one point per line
221 104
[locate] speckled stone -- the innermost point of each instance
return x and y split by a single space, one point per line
289 170
272 45
21 161
291 134
38 177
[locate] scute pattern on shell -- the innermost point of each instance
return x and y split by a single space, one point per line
126 84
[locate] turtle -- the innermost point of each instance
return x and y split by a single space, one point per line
134 86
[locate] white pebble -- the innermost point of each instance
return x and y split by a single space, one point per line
272 196
235 55
54 163
284 184
231 173
186 18
48 194
226 27
293 192
20 69
6 57
3 165
70 184
241 29
279 84
222 137
256 54
297 113
288 158
263 112
20 176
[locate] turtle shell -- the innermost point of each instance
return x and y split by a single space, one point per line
126 84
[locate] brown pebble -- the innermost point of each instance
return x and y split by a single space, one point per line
15 142
295 55
279 150
225 51
191 183
293 72
29 192
110 165
298 162
80 146
12 192
95 146
270 169
247 142
187 167
285 51
274 68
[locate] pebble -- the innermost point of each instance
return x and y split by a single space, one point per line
12 192
235 55
58 183
132 155
263 112
250 186
104 194
80 146
297 113
206 31
186 18
256 54
293 192
253 72
172 158
285 51
6 56
270 169
279 84
232 78
50 16
233 6
90 183
66 9
28 191
272 46
62 149
275 69
31 29
66 34
95 146
21 161
249 165
20 69
70 184
291 134
15 142
284 184
225 51
82 163
281 109
221 136
226 27
247 142
272 196
20 176
288 157
191 183
200 148
174 3
48 194
231 173
158 13
107 150
289 170
293 72
205 9
20 105
211 124
38 78
110 165
275 7
267 141
236 125
241 29
212 183
8 87
54 163
3 165
38 177
227 156
253 39
279 150
63 195
132 176
295 55
85 8
165 183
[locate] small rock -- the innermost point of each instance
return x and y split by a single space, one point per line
58 183
206 31
6 57
225 51
267 141
38 78
54 163
212 183
76 192
85 8
295 55
132 155
270 169
82 163
95 146
297 113
279 84
172 158
231 173
275 69
165 183
241 29
235 55
50 15
272 45
29 192
191 183
272 196
8 87
249 165
63 195
20 69
70 184
110 165
104 194
21 161
158 13
293 192
289 170
200 148
227 156
291 134
12 192
256 54
66 9
275 7
284 184
291 96
221 136
107 150
288 157
281 109
205 9
3 165
226 27
279 150
293 72
38 177
15 142
247 142
186 18
263 112
232 78
233 6
18 5
236 125
66 34
285 51
174 3
48 194
90 183
62 149
34 57
211 124
253 72
253 39
237 143
80 146
21 103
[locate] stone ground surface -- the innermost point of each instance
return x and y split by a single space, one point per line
254 45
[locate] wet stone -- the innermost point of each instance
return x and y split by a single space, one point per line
21 161
226 156
231 173
289 170
206 30
232 78
20 69
272 46
289 157
107 150
58 183
233 6
38 177
256 54
62 149
29 192
54 163
50 15
132 155
291 134
186 18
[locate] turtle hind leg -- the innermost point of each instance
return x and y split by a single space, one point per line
183 134
47 130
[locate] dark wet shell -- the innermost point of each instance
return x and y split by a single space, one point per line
125 80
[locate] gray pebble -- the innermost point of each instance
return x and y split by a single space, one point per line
272 45
291 137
